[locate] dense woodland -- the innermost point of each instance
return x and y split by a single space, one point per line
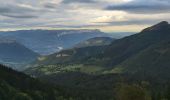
18 86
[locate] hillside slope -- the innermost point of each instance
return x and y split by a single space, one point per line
127 47
78 53
152 62
18 86
97 41
140 58
145 52
15 54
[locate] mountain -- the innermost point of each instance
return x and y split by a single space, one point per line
14 54
96 41
47 42
80 51
145 52
151 62
71 59
122 49
127 47
142 58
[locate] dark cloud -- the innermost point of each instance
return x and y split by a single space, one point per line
50 5
77 1
17 11
153 6
19 16
4 10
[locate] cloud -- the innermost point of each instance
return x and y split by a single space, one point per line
19 16
135 22
81 13
77 1
50 5
143 6
134 19
17 11
108 19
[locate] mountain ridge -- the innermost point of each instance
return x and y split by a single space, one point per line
113 57
46 42
133 44
84 49
141 58
163 24
15 55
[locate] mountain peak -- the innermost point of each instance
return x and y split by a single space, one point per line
161 25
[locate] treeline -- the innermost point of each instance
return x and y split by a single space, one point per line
18 86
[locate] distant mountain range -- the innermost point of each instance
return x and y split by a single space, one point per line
14 54
144 54
47 42
101 68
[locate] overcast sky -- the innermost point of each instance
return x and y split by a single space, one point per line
107 15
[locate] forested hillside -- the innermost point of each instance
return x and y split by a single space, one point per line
137 61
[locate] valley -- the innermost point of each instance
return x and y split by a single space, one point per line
85 50
45 42
97 68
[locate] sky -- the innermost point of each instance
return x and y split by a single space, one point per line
106 15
